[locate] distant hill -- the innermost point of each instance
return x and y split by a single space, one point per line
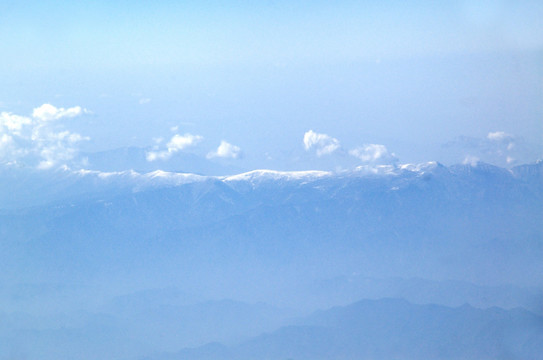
391 329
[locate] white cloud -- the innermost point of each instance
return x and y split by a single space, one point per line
46 164
144 101
36 140
374 154
176 143
225 150
6 145
499 136
157 155
322 143
48 112
5 139
503 140
13 123
180 142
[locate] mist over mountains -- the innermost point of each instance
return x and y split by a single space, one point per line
391 328
126 265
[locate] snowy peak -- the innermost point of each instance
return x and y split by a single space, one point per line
24 187
166 178
272 175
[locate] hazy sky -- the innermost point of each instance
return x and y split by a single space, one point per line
280 84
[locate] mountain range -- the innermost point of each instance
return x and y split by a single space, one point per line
87 255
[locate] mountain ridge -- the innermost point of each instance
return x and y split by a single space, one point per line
29 187
390 328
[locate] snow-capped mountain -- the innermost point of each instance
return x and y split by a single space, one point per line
454 216
75 241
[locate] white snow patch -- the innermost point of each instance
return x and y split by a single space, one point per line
277 175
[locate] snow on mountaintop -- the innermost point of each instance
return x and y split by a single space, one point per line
24 187
423 167
171 178
166 178
160 177
102 174
262 175
132 177
375 170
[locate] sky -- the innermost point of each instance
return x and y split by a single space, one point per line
272 84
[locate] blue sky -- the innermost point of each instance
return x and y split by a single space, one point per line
426 81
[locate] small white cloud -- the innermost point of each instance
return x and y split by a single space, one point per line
48 112
322 143
374 154
13 123
225 150
6 145
45 164
36 140
157 155
499 136
144 101
67 136
5 139
176 143
502 139
180 142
